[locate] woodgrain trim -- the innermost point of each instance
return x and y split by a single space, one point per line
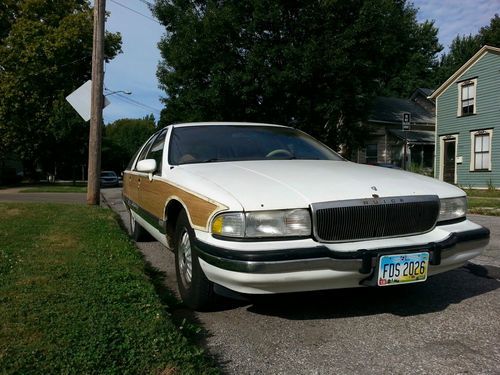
154 196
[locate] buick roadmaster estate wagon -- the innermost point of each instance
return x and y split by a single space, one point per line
260 208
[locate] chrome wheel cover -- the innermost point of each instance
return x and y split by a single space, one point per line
184 259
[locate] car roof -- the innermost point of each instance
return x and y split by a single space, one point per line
235 123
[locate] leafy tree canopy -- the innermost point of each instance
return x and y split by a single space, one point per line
45 54
123 138
315 65
490 34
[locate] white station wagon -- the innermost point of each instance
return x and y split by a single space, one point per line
260 208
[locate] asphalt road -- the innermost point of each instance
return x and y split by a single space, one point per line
447 325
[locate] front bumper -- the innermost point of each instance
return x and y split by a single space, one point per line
279 270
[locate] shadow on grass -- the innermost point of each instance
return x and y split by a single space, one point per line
182 317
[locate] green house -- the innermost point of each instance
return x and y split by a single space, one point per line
467 114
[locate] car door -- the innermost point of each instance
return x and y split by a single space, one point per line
132 178
151 187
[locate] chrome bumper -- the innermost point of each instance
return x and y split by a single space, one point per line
321 258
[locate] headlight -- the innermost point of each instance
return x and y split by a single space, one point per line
258 224
230 225
452 208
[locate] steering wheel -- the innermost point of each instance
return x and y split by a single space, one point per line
279 151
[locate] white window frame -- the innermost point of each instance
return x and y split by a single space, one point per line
459 104
473 135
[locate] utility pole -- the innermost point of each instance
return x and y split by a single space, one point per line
97 103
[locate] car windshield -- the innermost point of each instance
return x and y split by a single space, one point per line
108 174
215 143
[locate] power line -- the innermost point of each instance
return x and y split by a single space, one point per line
50 67
63 65
135 11
74 62
146 2
135 102
132 101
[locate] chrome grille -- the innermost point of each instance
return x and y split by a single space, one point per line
361 219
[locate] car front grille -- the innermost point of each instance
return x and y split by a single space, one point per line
362 219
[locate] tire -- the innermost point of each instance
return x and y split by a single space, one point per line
197 292
137 232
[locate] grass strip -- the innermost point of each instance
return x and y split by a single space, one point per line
55 189
484 206
487 193
74 298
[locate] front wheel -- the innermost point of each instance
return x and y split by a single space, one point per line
195 289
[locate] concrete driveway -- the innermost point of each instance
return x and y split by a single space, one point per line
447 325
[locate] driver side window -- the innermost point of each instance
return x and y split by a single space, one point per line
144 151
156 151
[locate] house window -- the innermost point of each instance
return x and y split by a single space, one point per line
481 151
371 154
482 157
467 98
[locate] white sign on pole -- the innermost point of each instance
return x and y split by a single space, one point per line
80 100
406 120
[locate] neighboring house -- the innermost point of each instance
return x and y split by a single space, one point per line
11 169
385 144
467 114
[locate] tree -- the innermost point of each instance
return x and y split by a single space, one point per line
419 67
315 65
463 47
45 52
123 138
490 35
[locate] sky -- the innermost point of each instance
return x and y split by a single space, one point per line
135 69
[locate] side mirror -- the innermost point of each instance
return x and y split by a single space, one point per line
146 166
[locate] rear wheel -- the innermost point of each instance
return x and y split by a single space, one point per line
195 289
137 232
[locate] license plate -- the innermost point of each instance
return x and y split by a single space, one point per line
402 268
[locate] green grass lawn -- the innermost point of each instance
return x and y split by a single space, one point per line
487 193
75 298
484 206
55 189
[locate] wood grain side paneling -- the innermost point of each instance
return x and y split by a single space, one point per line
153 196
130 184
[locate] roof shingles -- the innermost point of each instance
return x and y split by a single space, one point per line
390 110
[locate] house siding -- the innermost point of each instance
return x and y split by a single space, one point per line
487 72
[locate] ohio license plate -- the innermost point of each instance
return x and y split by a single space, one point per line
402 268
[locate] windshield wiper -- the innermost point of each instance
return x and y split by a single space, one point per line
212 160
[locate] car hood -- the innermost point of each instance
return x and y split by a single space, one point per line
279 184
